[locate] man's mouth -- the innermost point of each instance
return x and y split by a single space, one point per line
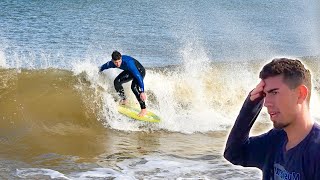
273 114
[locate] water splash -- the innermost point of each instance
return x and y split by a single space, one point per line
3 63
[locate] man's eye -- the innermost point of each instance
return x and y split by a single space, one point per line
274 93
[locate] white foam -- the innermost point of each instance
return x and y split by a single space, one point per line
150 167
27 172
86 175
101 173
2 59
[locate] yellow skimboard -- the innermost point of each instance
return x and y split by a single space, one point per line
132 112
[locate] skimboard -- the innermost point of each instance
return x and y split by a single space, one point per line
132 112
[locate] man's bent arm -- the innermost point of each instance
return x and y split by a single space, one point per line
107 65
240 150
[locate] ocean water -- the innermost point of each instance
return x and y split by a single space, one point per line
58 115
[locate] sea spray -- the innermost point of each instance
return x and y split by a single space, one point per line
3 63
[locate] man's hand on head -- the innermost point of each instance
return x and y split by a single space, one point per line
257 91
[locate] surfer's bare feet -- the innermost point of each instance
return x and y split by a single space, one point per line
123 102
143 112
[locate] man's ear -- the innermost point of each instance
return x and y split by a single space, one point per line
303 93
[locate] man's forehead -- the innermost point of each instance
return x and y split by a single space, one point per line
275 82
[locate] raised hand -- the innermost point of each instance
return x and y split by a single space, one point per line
258 91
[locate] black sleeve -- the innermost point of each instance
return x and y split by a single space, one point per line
240 149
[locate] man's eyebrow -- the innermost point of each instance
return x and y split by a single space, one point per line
271 90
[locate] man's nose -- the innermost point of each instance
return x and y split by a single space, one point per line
268 102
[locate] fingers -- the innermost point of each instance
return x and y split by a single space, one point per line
258 91
254 97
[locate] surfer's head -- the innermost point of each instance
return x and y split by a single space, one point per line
116 58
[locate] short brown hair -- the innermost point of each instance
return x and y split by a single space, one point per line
293 71
115 55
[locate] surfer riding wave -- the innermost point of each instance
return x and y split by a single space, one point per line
133 70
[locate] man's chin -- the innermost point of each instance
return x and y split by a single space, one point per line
277 125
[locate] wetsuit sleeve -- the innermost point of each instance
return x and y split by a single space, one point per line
242 150
135 72
107 66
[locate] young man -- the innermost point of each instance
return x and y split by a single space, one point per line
134 71
291 150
